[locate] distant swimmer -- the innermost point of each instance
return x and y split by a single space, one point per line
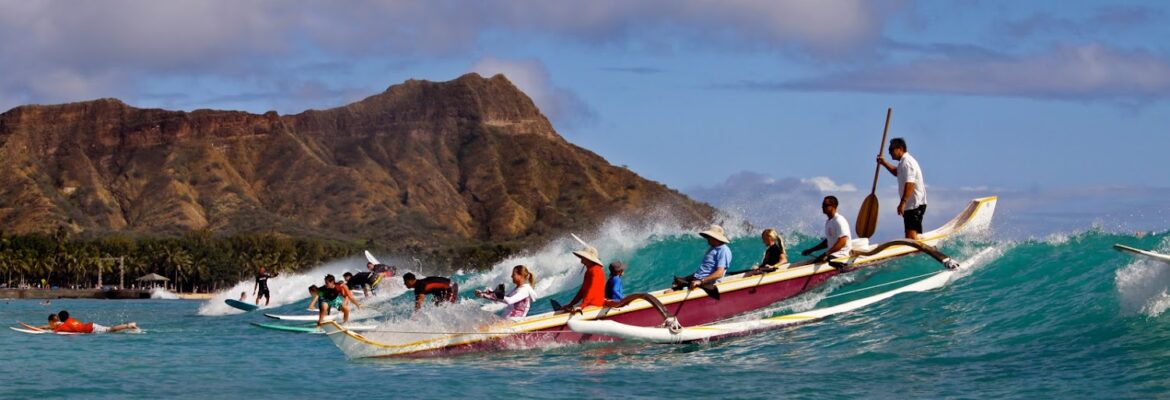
331 296
46 302
68 324
243 296
911 187
714 265
592 292
439 288
836 232
520 299
260 289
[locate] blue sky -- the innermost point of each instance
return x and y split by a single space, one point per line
1015 95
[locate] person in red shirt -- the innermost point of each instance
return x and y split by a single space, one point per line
592 291
71 325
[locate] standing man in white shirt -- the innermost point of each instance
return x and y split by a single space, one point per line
911 187
836 232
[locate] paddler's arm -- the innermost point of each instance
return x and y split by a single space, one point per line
418 300
710 278
840 244
313 302
907 192
821 245
349 298
889 167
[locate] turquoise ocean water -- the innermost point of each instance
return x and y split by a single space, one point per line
1060 317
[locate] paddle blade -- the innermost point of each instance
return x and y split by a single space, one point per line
867 218
711 289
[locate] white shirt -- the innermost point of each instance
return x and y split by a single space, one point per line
835 228
908 171
519 300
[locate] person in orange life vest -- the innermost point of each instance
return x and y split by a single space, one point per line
74 326
592 292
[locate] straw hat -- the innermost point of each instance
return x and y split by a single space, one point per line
589 254
715 232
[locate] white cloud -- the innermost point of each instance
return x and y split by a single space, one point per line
119 44
562 106
824 184
1086 72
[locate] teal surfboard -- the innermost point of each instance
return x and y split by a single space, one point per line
241 305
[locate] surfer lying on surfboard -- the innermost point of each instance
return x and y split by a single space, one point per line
62 322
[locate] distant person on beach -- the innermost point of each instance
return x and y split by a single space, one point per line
68 324
260 289
911 187
774 255
592 292
520 299
439 288
715 261
332 296
836 232
613 287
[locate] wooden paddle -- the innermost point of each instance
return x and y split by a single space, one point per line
868 216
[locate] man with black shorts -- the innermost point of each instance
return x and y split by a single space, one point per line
366 281
911 187
441 289
261 286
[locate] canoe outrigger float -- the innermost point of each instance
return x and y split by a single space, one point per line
738 294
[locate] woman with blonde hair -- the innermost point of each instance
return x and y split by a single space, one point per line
520 299
774 256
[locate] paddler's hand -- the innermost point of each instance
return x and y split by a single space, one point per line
696 283
881 160
901 207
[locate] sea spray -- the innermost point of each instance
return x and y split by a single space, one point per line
288 288
1143 286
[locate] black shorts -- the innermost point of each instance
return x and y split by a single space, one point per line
263 293
913 218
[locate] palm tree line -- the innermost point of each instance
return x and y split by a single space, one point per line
197 261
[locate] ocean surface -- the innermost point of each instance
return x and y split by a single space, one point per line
1063 316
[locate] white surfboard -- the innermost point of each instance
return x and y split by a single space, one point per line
1147 253
312 317
40 331
370 258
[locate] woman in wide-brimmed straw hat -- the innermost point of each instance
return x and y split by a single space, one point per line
592 291
715 261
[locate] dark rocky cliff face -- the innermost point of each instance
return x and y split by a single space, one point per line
422 164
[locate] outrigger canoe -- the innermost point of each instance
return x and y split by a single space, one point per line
738 294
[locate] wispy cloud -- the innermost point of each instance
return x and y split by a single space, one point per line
635 70
1106 19
1083 73
561 105
56 50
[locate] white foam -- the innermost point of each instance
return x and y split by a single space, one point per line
1144 285
163 293
293 287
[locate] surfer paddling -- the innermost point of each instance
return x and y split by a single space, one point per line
440 288
67 324
911 187
836 230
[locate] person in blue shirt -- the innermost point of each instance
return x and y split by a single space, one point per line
715 261
613 287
